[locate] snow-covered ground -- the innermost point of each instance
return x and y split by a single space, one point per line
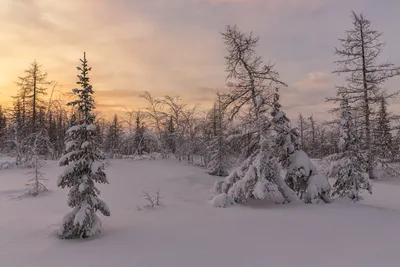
188 232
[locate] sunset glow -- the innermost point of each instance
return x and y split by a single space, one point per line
174 46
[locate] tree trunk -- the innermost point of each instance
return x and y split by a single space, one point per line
367 110
34 99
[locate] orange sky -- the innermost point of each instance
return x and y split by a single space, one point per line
174 47
124 58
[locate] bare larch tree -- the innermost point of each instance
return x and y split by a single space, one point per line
251 82
358 60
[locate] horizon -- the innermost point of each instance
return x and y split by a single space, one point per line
170 48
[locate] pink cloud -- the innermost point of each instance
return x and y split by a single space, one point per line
314 80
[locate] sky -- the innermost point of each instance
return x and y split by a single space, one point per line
174 47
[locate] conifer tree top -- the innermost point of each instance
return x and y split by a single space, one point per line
85 102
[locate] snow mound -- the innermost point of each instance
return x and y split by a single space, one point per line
221 201
318 185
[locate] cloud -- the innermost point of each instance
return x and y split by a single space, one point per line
308 95
221 2
317 79
115 107
174 46
117 93
28 14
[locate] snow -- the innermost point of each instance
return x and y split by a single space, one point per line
82 187
70 145
85 144
68 155
302 163
317 185
279 115
259 189
189 232
96 226
221 201
101 205
82 213
68 217
96 165
6 162
67 169
73 129
91 127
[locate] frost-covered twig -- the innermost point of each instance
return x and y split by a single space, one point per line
153 200
158 198
149 198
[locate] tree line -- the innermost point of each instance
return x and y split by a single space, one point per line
229 133
246 137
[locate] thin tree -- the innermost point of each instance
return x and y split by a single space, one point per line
303 127
349 166
396 147
83 166
313 136
170 137
385 149
219 147
114 137
139 136
154 111
36 181
358 60
3 128
175 109
383 138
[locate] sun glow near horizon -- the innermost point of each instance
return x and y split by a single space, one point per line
169 48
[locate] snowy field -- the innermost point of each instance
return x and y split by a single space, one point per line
188 232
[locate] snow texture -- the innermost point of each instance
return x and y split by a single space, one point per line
74 128
221 201
338 234
91 127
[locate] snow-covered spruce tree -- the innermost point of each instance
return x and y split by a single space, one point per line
349 165
219 148
301 175
83 166
257 177
358 60
250 80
